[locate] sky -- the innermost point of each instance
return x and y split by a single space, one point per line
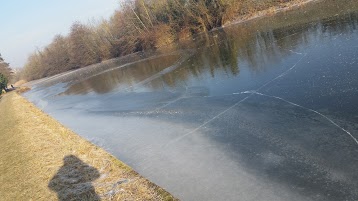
29 25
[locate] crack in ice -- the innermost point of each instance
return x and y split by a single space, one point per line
295 52
240 101
281 75
303 107
185 97
207 122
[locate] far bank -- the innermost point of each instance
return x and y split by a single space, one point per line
142 26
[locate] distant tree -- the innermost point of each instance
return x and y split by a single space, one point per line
81 49
5 73
102 38
5 70
3 82
56 57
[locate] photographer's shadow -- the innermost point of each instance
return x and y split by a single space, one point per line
73 180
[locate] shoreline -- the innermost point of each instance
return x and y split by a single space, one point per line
283 7
40 159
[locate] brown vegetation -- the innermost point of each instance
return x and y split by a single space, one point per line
138 25
5 68
19 83
6 74
23 89
42 160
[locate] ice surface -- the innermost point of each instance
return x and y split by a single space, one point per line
264 110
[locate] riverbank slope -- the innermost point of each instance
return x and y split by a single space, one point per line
42 160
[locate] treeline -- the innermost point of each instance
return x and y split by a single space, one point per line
5 68
5 74
138 25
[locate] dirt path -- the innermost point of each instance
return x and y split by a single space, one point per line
42 160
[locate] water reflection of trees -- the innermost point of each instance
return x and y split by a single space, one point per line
254 46
346 24
122 77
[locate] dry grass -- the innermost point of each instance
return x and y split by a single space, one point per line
22 89
19 83
38 154
269 10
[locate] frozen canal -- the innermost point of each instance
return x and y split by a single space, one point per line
263 110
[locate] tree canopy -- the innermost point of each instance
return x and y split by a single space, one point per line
3 82
5 74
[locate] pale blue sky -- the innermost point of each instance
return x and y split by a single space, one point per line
29 24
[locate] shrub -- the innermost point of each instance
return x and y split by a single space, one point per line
3 82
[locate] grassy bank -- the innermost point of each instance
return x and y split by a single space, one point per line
42 160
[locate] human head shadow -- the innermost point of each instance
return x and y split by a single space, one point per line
73 180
